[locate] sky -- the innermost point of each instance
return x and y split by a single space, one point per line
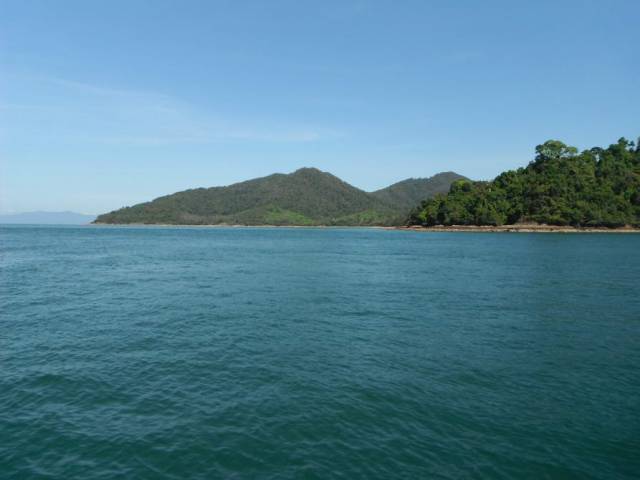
110 103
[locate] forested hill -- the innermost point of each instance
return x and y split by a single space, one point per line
597 187
408 193
304 197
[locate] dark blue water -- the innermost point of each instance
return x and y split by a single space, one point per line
308 353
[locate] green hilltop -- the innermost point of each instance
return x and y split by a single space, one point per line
595 188
304 197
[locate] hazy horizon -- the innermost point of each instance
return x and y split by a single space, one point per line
110 104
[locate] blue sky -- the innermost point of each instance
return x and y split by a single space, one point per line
110 103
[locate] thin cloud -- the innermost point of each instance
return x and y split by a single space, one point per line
76 111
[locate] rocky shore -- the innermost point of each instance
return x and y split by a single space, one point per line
523 228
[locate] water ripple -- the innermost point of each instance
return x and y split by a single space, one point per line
291 353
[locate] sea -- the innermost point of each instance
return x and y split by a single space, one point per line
314 353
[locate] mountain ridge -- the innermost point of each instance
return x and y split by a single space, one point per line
307 196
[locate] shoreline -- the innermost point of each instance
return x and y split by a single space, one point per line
520 228
228 225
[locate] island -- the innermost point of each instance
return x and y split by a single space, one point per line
560 190
306 197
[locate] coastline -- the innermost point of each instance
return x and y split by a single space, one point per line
229 225
519 228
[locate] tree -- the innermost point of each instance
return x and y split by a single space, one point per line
598 187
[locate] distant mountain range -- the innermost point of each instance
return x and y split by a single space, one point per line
307 196
52 218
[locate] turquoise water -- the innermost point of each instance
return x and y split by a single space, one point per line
309 353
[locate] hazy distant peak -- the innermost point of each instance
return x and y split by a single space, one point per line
51 218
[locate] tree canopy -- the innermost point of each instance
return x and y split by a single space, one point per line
597 187
304 197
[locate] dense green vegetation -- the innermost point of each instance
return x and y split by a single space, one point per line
305 197
408 193
597 187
